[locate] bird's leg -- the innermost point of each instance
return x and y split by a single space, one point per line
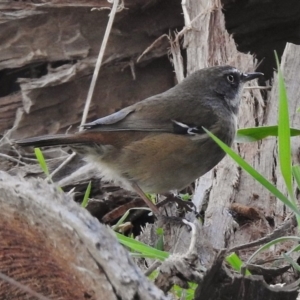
170 197
149 203
164 219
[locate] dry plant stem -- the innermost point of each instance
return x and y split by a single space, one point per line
193 236
6 136
99 61
257 87
279 232
12 159
94 79
70 192
175 45
187 20
148 49
22 287
132 69
177 60
153 267
62 165
189 26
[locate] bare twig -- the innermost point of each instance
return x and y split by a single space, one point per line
120 7
99 61
48 159
22 287
175 44
279 232
6 136
257 87
193 236
187 20
177 60
188 27
132 69
155 44
65 162
153 267
94 79
12 159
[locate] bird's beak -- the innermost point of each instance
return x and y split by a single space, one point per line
249 76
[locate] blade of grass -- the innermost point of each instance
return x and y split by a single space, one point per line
284 139
253 134
296 173
294 249
160 242
86 195
186 294
236 262
41 159
126 214
292 262
256 175
145 250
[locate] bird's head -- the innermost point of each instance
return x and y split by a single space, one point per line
223 83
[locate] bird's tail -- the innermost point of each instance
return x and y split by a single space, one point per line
50 140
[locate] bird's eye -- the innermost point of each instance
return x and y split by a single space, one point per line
230 78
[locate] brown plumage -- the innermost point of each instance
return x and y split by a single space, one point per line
159 144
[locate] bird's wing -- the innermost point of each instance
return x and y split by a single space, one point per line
110 121
160 113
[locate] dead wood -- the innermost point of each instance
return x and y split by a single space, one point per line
48 55
56 248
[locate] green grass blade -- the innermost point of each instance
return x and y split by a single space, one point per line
256 175
292 262
160 241
121 221
235 262
143 249
296 173
186 294
87 193
273 242
253 134
41 159
294 249
284 139
126 214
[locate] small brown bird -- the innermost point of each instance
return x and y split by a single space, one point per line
159 144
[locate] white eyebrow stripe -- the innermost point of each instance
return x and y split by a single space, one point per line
180 124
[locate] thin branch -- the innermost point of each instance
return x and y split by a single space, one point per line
188 27
153 267
258 87
65 162
99 62
12 159
187 20
279 232
193 236
94 79
177 60
22 287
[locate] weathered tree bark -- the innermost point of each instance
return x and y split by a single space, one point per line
51 50
227 184
56 248
57 44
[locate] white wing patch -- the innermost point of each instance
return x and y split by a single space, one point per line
189 130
